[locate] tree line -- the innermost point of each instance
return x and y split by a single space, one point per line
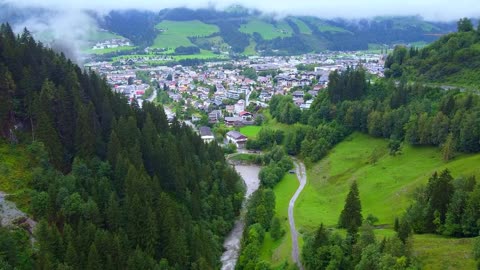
260 217
399 111
113 186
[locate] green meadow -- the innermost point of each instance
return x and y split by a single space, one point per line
250 131
267 30
302 26
385 188
176 33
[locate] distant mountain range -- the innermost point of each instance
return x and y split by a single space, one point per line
249 32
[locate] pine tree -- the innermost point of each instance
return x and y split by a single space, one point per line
93 262
448 148
7 91
351 216
85 133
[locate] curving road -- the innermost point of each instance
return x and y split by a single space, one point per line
302 177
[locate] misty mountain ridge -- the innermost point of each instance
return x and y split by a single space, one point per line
237 29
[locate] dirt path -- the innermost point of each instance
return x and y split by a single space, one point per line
302 177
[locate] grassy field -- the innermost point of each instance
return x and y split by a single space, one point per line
267 30
175 34
385 187
436 252
15 174
250 49
304 29
250 131
276 252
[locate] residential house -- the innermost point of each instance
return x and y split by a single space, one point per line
239 106
246 115
214 116
234 121
237 138
298 94
206 134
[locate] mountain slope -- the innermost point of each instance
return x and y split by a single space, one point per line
453 59
290 35
113 186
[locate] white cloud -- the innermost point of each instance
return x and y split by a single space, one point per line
429 9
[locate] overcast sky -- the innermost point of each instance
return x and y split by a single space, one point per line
429 9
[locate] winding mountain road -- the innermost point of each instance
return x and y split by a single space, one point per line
302 177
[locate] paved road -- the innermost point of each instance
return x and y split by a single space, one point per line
302 177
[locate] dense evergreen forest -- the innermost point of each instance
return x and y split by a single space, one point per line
454 58
114 186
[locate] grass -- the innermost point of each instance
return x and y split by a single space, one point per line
267 30
176 33
385 187
276 252
250 49
302 26
243 157
15 174
436 252
250 131
325 27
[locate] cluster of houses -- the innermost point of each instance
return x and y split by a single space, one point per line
112 43
219 89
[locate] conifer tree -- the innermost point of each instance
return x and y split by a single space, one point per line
85 134
93 262
7 90
351 216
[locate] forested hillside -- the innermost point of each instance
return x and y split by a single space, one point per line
240 27
453 59
113 186
412 113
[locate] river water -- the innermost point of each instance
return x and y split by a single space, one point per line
249 173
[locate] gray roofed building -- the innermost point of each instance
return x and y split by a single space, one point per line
206 134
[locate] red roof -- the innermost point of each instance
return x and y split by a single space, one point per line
140 92
244 113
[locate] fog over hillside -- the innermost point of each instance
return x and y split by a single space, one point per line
67 24
441 10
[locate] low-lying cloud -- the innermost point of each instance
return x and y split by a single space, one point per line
441 10
67 24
